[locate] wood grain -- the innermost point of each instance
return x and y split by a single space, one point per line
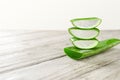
38 55
109 72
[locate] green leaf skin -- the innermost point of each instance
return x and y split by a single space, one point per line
90 18
104 45
93 29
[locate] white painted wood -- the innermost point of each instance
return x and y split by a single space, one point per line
63 68
10 39
31 49
109 72
7 33
43 58
25 42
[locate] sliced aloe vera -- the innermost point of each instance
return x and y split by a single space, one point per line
104 45
84 44
84 34
86 23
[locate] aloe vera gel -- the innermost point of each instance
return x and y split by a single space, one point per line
84 38
84 44
84 32
86 23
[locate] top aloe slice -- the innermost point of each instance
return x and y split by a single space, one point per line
86 23
104 45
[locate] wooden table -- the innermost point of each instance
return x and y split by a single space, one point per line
39 55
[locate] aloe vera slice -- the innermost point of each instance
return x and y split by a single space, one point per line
84 44
86 23
104 45
84 34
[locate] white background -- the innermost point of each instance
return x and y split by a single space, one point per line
55 14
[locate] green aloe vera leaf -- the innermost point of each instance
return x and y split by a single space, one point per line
84 44
84 34
104 45
86 23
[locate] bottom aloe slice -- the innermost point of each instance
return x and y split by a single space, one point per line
104 45
84 44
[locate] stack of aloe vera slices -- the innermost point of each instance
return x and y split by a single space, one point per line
84 40
85 32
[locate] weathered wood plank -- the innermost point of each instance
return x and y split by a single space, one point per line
7 33
13 44
32 51
109 72
63 68
44 53
11 39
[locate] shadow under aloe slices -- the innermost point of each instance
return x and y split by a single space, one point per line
76 53
83 33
